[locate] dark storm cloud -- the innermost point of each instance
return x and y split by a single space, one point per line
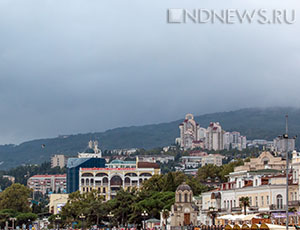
80 66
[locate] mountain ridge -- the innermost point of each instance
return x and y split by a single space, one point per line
255 123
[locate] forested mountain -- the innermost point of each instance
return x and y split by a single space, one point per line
254 123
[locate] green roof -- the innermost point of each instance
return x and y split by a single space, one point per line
122 162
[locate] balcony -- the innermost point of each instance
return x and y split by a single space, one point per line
253 208
236 209
294 203
274 207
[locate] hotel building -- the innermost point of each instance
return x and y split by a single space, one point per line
118 174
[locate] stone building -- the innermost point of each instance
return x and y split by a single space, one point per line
184 212
265 161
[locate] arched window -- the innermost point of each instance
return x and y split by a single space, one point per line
92 181
116 180
130 174
87 175
179 197
127 180
105 180
185 198
87 182
279 201
101 174
145 174
82 182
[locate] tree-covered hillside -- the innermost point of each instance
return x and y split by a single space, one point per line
254 123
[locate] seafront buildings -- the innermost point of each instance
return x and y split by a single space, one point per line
118 174
263 180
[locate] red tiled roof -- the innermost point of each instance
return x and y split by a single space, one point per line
148 165
47 175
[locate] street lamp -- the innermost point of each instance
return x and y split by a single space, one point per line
144 215
110 216
13 222
82 217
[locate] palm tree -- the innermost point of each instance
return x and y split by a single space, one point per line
244 202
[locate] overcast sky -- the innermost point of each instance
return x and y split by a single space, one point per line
70 67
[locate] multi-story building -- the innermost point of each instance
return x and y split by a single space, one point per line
156 158
48 183
263 180
90 158
214 137
58 160
118 174
234 140
202 160
265 161
189 130
266 195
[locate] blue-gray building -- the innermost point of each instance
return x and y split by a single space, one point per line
73 166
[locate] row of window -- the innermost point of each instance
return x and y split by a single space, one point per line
106 175
113 181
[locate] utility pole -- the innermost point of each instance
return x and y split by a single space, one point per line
286 137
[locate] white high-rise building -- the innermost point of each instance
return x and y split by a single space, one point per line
189 131
215 137
234 140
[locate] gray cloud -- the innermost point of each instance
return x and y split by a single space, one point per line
79 66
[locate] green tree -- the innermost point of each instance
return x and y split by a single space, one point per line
23 218
244 202
89 204
15 197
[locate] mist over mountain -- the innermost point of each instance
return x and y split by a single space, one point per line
255 123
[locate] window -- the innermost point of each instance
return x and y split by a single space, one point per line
279 201
234 203
240 184
262 201
250 200
185 198
268 200
256 201
179 197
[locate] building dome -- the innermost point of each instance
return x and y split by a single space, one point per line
183 187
